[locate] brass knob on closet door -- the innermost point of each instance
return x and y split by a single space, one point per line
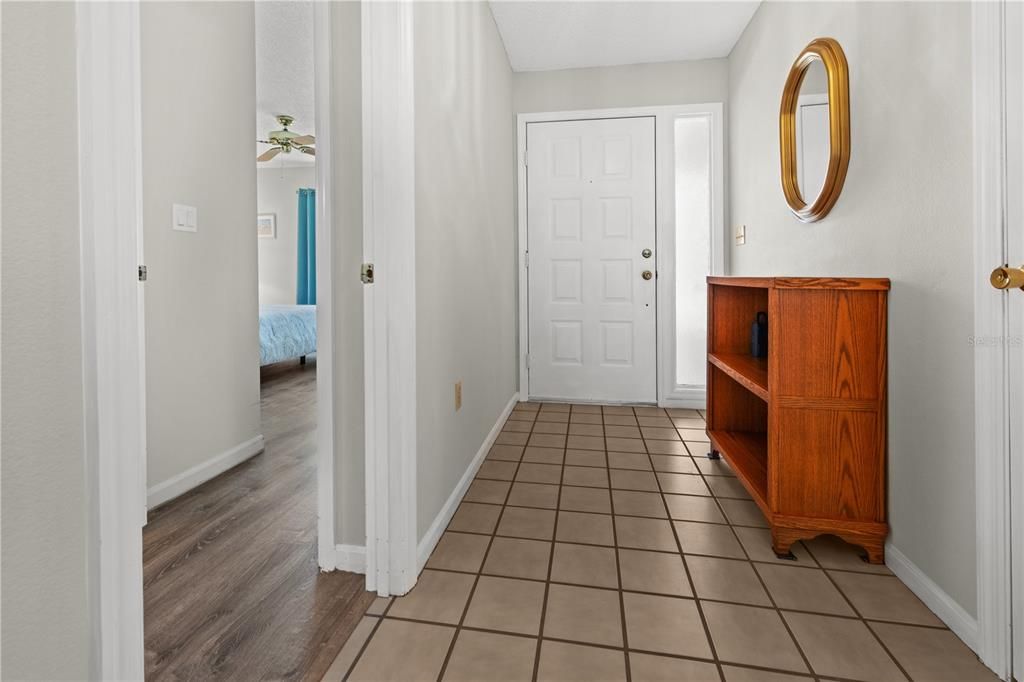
1007 278
647 274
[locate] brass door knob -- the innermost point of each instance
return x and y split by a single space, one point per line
647 274
1007 278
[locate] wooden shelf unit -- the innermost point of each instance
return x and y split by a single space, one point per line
804 429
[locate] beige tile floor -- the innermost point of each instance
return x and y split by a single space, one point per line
599 543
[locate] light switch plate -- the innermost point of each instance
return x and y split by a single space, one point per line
184 218
741 235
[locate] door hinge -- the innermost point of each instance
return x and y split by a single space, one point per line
527 362
366 274
143 273
526 256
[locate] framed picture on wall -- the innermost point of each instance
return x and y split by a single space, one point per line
266 226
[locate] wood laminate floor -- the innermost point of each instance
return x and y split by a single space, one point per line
231 584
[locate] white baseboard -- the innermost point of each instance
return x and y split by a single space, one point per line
684 403
351 558
934 597
433 534
200 473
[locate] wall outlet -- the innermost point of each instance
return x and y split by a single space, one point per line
741 235
458 396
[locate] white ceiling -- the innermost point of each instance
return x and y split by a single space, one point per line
541 36
284 73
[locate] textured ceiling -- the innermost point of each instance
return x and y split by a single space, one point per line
541 36
284 72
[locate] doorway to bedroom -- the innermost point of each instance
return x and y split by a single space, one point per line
254 438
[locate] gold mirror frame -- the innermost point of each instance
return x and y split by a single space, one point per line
838 72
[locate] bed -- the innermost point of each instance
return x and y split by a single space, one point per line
287 332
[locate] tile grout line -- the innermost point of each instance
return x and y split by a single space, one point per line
686 567
483 559
618 563
551 556
366 643
861 617
753 568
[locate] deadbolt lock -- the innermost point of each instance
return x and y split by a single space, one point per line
646 253
647 274
1007 278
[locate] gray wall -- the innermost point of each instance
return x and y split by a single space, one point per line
465 249
44 615
202 347
905 213
692 82
278 258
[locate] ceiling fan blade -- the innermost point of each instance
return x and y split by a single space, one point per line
303 139
269 154
266 141
308 150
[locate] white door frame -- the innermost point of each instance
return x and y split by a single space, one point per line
110 182
110 203
327 555
993 639
389 242
669 395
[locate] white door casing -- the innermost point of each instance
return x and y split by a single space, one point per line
998 74
591 214
1014 164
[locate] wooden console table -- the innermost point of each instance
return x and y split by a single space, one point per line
805 428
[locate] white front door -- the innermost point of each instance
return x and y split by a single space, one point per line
591 288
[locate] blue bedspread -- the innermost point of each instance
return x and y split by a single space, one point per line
286 332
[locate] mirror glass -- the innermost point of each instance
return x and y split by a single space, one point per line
812 131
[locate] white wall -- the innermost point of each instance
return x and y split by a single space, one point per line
202 346
278 258
44 615
905 213
689 82
465 248
347 141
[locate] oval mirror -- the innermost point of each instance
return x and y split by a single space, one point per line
814 130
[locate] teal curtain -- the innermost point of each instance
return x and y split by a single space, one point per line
306 289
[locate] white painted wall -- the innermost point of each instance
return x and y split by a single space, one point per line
202 346
44 613
276 189
905 213
465 248
347 143
605 87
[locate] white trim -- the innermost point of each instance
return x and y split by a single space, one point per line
110 189
325 394
942 605
351 558
389 242
203 472
436 529
668 394
991 439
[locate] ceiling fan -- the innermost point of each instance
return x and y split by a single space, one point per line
285 141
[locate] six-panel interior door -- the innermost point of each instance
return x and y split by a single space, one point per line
591 260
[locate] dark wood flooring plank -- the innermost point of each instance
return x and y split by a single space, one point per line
231 585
